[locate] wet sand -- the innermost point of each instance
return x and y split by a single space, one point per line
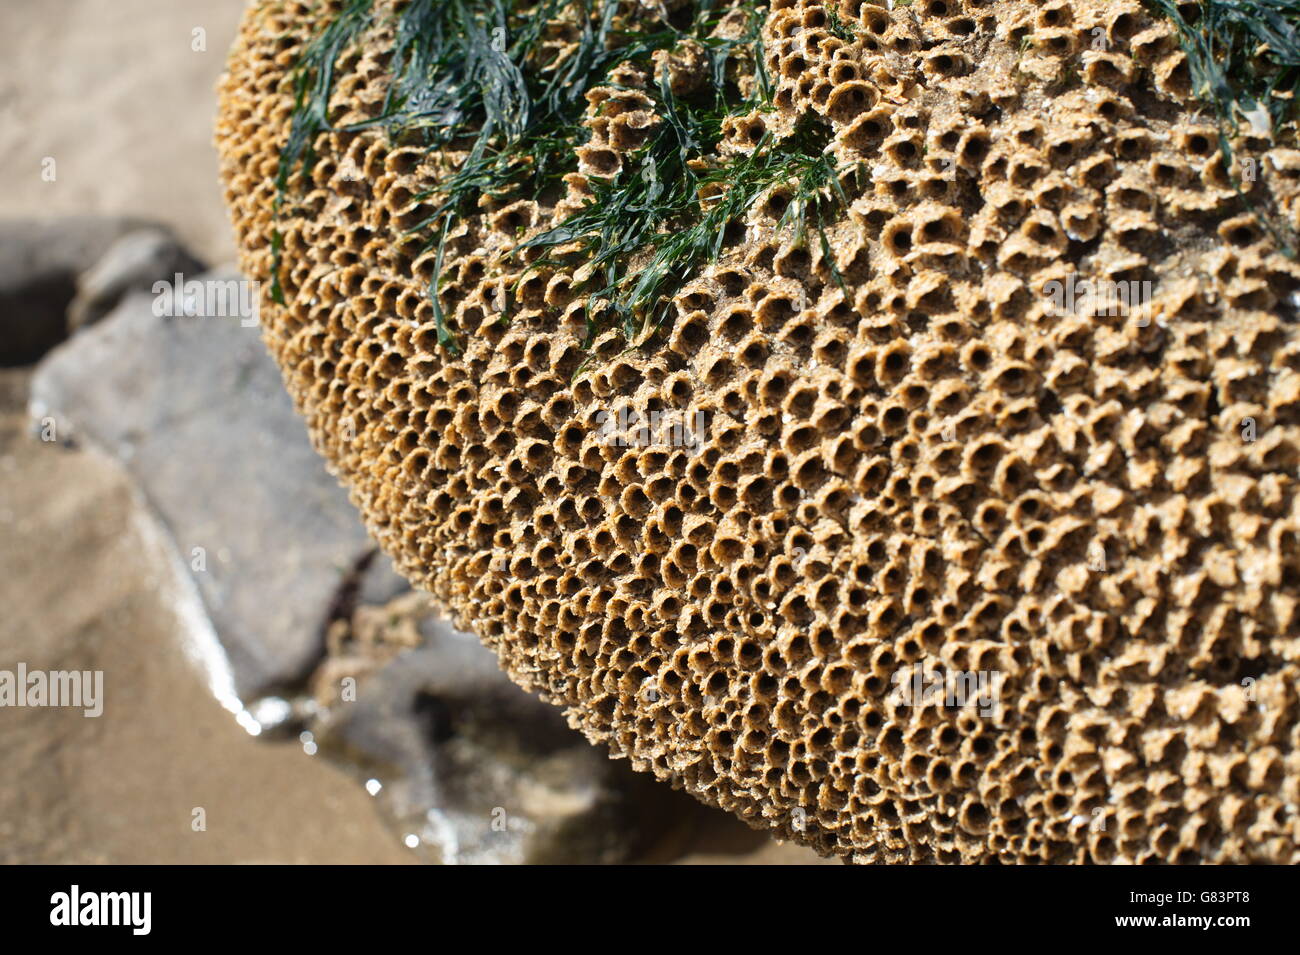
85 584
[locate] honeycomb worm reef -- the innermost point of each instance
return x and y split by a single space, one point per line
1031 413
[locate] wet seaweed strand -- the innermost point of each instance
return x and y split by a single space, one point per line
471 75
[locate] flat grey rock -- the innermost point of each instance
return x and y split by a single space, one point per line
472 769
194 407
39 265
380 582
134 263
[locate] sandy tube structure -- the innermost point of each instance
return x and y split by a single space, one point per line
989 548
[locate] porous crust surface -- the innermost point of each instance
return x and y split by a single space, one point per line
933 467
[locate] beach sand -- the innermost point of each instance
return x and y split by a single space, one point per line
117 95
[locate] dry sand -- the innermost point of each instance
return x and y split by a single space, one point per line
116 94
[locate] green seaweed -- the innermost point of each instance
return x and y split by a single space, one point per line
312 79
468 76
1243 57
649 222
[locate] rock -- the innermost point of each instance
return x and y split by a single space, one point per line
380 582
471 768
134 263
39 265
194 408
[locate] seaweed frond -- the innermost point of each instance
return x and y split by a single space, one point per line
312 79
476 79
1243 55
653 225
